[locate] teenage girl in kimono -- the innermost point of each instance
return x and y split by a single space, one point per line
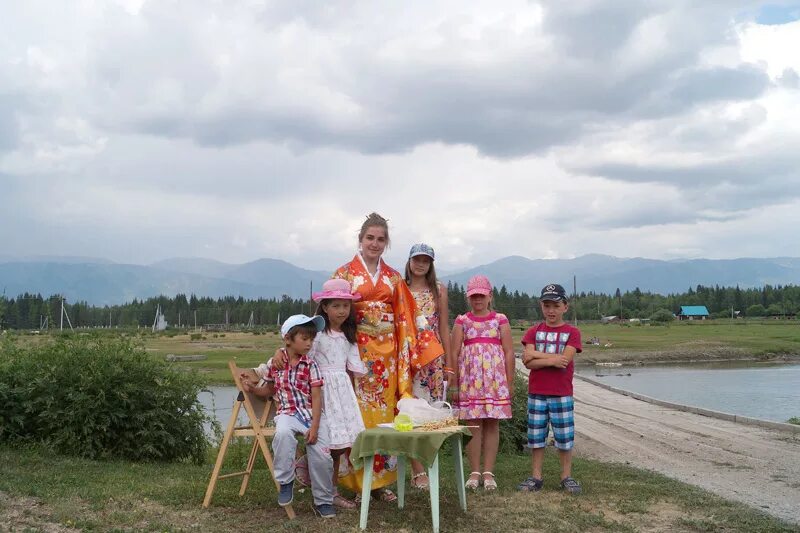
387 328
430 297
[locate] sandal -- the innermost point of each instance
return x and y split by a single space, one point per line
384 495
301 472
421 484
343 503
489 483
473 482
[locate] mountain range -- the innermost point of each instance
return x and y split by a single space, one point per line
102 282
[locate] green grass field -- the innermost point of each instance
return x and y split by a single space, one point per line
39 491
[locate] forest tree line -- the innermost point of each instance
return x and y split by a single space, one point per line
31 311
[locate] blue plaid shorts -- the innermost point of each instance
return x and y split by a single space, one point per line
558 412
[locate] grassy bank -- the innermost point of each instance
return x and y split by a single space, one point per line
39 491
687 341
699 340
710 340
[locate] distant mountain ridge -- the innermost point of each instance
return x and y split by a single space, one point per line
603 273
102 282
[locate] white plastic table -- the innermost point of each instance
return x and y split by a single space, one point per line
406 440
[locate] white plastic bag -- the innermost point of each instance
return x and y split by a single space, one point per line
421 412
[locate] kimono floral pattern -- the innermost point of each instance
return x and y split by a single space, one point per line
387 343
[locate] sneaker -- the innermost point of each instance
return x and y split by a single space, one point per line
531 485
286 494
571 486
325 510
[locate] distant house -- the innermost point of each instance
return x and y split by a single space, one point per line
693 312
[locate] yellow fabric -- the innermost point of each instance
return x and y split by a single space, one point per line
387 343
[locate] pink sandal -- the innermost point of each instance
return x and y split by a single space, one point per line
420 481
343 503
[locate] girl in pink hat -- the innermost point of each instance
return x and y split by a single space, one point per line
483 357
335 350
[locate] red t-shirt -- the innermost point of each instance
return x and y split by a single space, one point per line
549 380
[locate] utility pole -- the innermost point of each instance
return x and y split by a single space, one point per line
63 314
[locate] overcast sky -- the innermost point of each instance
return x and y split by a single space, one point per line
142 130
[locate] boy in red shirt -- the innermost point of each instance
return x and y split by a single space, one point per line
549 351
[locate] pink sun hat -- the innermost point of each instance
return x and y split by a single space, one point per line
479 285
335 289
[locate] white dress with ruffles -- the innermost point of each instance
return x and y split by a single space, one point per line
335 356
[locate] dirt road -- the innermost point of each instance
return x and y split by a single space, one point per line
753 465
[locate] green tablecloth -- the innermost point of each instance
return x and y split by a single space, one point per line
420 445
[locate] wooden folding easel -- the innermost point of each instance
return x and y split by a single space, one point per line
259 411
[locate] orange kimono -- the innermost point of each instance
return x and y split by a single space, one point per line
388 343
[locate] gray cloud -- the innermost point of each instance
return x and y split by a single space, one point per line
542 87
744 182
186 128
9 126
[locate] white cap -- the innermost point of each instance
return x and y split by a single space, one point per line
297 320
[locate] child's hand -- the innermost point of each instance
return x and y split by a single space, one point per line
560 361
277 360
311 435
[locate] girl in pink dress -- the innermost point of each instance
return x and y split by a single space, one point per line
483 353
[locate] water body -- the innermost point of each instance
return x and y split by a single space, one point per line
770 391
218 402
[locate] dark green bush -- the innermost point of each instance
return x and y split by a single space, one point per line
514 430
100 398
662 316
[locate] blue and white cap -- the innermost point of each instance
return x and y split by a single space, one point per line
421 249
299 320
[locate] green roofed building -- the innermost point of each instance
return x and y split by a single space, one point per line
693 312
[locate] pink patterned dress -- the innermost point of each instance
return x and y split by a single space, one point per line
482 382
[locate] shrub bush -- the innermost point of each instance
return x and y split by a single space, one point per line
514 430
662 315
100 398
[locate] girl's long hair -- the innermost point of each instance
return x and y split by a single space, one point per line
430 280
349 324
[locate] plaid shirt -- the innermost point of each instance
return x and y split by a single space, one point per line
293 386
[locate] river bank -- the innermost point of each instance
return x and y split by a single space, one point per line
752 464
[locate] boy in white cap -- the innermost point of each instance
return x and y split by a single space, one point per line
297 388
